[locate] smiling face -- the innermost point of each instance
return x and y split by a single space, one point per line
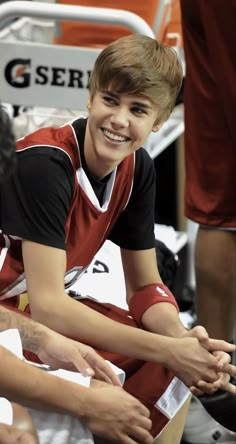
133 88
118 125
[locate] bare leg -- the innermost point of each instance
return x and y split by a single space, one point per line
215 262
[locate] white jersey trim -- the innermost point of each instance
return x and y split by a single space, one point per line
15 288
4 251
88 189
132 185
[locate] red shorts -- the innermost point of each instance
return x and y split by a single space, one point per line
209 31
154 385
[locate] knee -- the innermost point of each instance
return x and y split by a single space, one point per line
215 253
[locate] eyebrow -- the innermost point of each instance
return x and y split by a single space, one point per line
142 105
116 96
110 93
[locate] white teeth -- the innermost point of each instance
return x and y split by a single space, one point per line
114 136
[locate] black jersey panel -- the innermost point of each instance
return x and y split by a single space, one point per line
36 201
134 230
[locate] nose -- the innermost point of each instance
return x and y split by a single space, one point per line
120 117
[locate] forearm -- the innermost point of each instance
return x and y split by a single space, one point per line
23 383
144 288
32 333
163 319
77 321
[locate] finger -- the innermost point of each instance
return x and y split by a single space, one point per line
195 391
223 381
228 387
143 410
215 384
103 376
228 368
223 358
200 332
142 436
207 388
125 439
212 375
108 371
82 365
100 367
218 344
223 378
145 422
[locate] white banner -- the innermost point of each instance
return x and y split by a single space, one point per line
37 74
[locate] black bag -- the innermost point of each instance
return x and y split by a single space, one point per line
167 262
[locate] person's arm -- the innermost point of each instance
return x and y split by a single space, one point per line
45 268
56 350
50 305
108 411
26 384
140 269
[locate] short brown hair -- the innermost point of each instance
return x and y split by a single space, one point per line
138 64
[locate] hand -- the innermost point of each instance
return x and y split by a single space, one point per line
60 352
223 358
12 435
115 415
191 362
223 381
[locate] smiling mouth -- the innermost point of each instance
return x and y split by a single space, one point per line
114 137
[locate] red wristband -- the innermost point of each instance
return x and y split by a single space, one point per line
147 296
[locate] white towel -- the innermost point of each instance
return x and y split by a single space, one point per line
56 428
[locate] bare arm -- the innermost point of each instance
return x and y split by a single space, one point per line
56 350
31 333
21 382
45 268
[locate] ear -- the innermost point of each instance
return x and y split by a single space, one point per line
89 103
156 127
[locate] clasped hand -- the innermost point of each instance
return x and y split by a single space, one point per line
220 350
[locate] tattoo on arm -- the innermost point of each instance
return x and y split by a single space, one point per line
32 333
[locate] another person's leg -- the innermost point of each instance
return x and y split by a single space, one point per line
209 33
215 264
